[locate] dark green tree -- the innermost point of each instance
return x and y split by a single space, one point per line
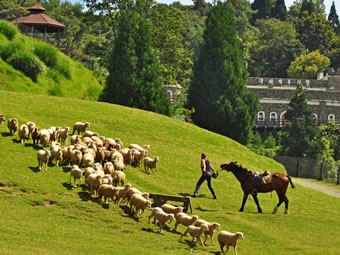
300 136
263 8
218 91
134 78
333 18
279 11
307 6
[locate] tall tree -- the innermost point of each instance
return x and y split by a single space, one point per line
175 58
307 6
279 11
263 8
273 49
314 31
333 18
218 91
301 134
134 78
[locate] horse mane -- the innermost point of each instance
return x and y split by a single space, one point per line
245 170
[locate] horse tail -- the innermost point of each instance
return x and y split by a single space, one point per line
291 182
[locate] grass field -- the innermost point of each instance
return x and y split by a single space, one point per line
42 214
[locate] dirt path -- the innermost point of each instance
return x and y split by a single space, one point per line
319 187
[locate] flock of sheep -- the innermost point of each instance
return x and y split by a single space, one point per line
104 160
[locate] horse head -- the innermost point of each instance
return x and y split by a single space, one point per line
228 166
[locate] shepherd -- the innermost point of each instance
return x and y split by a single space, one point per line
278 182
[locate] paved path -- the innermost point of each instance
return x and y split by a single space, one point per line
319 187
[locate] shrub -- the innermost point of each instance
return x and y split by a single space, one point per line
46 53
10 49
9 30
63 67
27 63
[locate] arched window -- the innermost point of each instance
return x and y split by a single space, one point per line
260 116
331 117
273 116
170 95
283 120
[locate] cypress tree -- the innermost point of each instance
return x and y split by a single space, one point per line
279 11
134 78
334 19
218 91
263 8
301 134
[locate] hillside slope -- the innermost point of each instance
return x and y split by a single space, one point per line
42 213
60 75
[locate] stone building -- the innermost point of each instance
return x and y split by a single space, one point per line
322 95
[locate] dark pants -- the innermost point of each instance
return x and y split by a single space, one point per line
206 177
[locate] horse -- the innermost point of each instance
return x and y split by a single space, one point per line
279 183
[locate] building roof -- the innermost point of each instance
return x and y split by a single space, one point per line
37 17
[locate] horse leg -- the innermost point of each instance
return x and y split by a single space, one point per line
257 203
245 196
281 199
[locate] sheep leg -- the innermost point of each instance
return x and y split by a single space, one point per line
200 239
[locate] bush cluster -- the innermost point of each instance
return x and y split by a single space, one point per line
8 30
27 63
46 53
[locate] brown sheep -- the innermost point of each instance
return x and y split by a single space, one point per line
212 227
227 239
13 125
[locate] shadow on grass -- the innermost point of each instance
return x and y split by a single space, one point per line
6 134
34 169
127 212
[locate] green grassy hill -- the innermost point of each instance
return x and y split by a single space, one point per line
42 214
59 76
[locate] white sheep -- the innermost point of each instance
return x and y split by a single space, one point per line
75 139
43 156
108 168
127 155
93 181
107 179
138 157
106 191
88 159
2 119
212 227
138 202
77 174
227 239
184 219
195 232
45 137
138 147
13 125
56 152
80 127
121 192
63 135
118 177
89 133
88 171
162 217
54 132
31 126
76 157
150 163
118 160
23 133
172 209
132 191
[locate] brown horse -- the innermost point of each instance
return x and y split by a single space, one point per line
279 183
